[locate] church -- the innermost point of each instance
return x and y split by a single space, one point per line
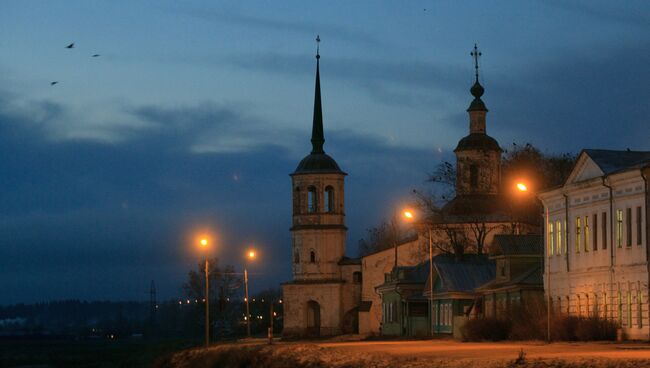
332 294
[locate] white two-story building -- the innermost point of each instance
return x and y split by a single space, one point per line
597 251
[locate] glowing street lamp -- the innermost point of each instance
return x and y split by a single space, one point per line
522 187
249 256
410 215
204 245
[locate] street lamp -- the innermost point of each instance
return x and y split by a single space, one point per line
249 257
411 216
204 245
523 188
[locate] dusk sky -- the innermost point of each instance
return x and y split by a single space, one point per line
195 113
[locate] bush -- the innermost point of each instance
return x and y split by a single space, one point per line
528 322
480 329
595 329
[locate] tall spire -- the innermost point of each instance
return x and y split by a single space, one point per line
476 90
317 136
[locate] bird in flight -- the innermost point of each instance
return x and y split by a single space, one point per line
53 83
96 55
70 46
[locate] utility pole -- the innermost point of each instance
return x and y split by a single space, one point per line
248 315
153 305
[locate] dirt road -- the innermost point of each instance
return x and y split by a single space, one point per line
449 349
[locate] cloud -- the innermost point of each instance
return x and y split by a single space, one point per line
283 26
623 13
69 207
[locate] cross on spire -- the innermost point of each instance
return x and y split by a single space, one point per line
476 54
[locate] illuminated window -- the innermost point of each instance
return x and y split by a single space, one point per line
311 200
603 221
329 199
551 236
578 225
619 228
595 235
628 227
558 247
639 227
586 237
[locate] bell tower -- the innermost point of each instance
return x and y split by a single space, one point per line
318 222
478 156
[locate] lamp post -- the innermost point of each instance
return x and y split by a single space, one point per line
204 244
410 216
249 256
523 188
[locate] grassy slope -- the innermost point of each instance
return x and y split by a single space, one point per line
87 353
311 356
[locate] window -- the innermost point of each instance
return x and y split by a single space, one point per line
311 200
578 224
587 305
356 277
586 237
619 228
578 306
595 236
629 309
551 237
329 199
296 256
312 257
620 308
473 176
596 310
639 229
603 221
605 305
558 245
568 305
296 200
628 227
639 309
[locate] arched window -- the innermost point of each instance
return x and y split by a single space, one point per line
312 257
296 256
311 200
296 200
329 199
473 176
356 277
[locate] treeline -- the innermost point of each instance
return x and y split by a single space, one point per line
113 320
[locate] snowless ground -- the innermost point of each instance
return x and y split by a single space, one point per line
412 354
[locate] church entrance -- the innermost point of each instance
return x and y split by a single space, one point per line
313 318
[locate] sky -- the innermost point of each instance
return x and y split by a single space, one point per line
195 113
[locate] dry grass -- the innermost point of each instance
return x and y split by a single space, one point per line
300 355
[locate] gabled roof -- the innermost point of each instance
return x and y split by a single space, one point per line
465 274
517 245
610 161
532 277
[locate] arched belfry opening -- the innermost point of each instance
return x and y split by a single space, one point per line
329 199
313 318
